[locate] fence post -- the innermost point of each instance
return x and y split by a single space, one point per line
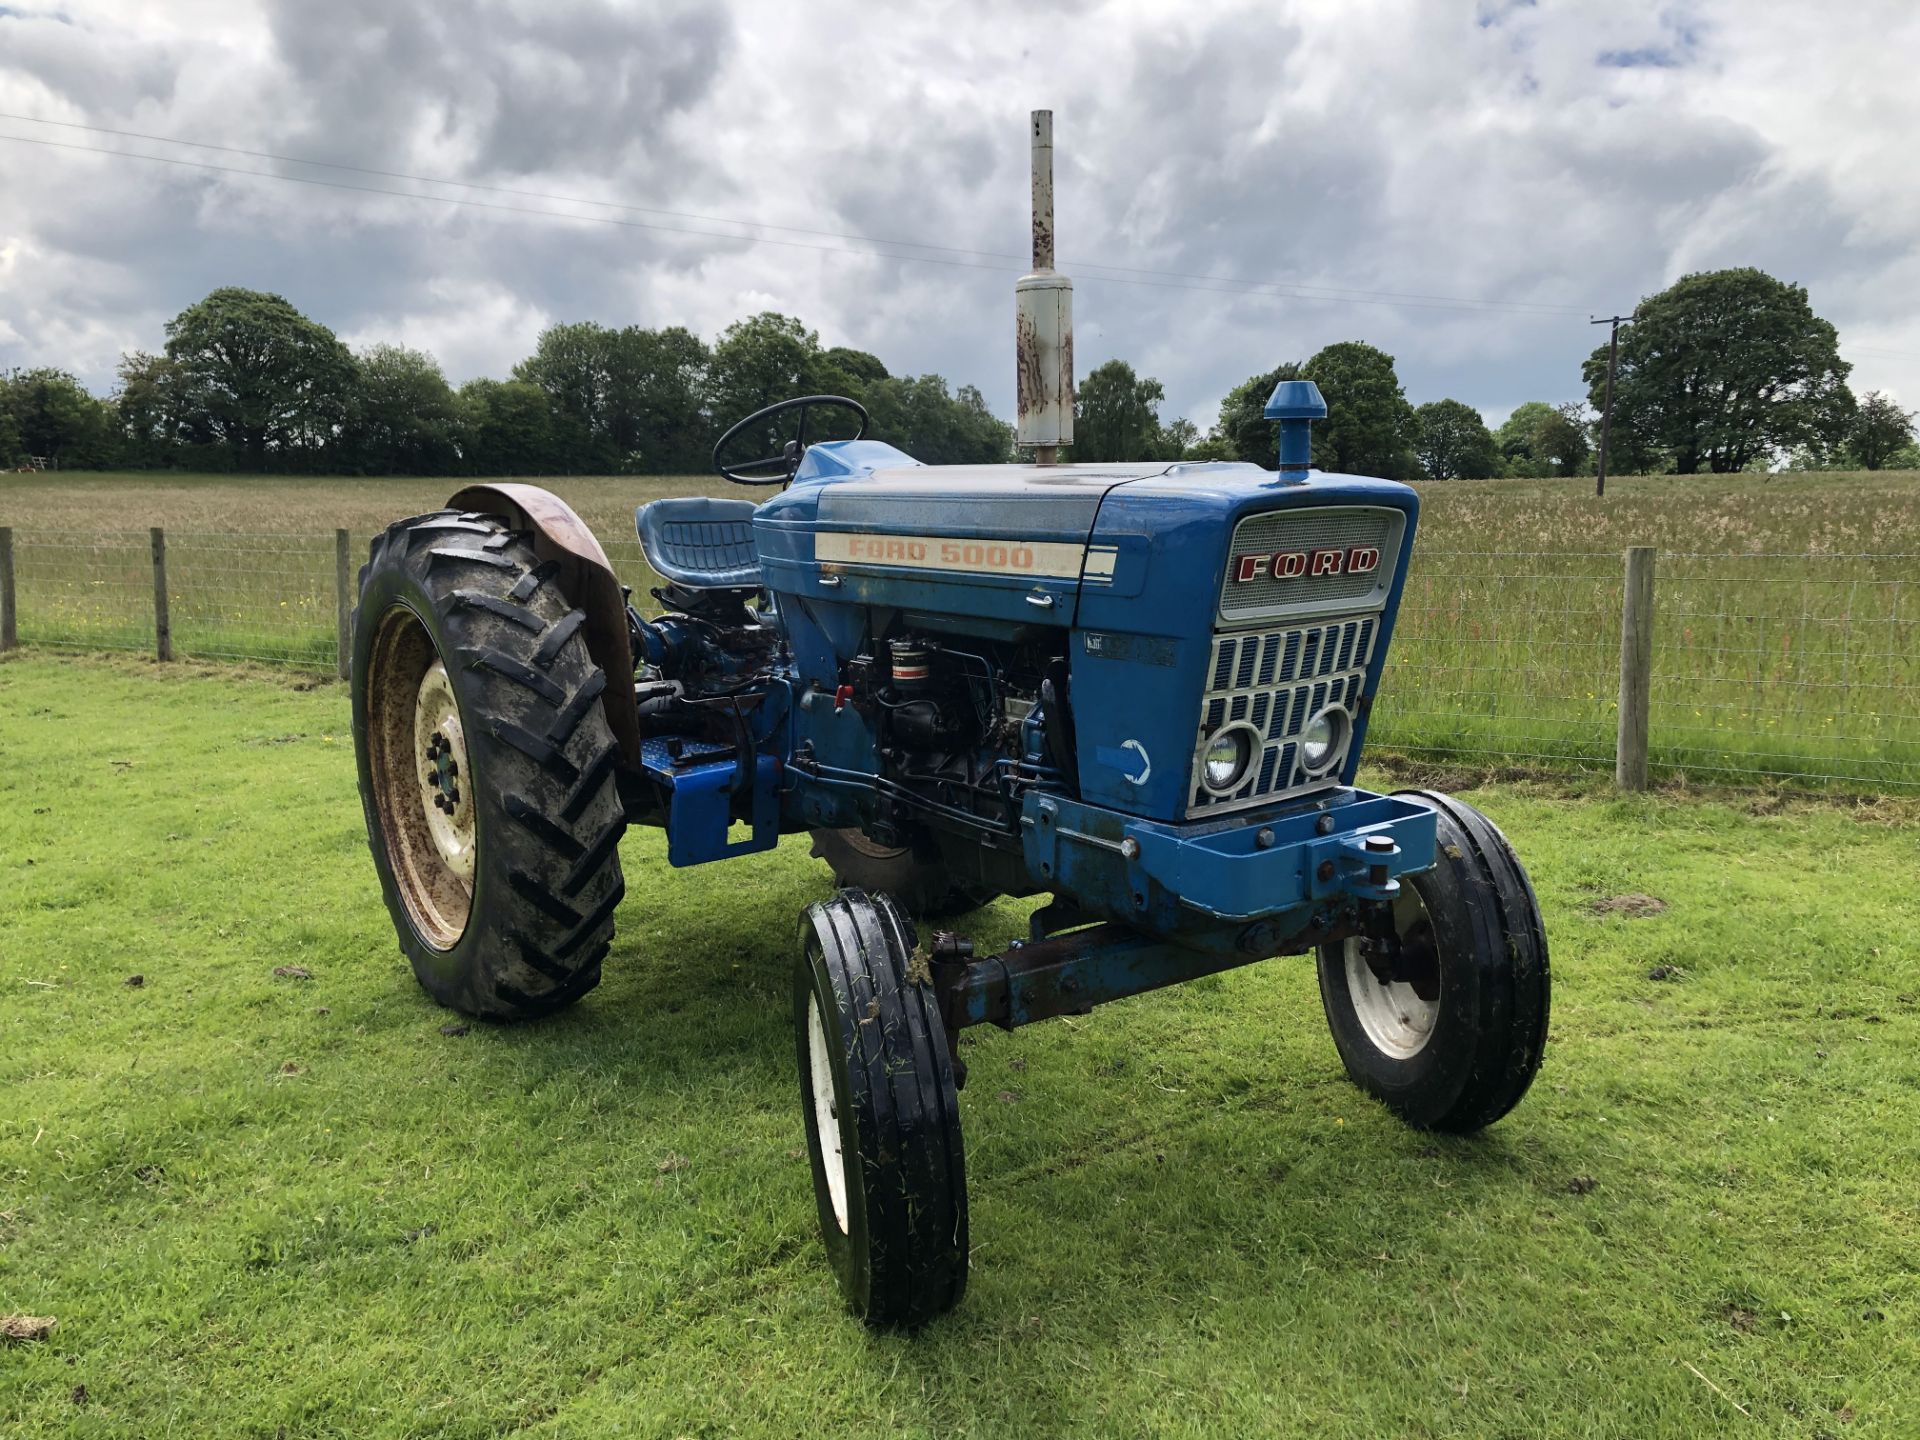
343 602
1636 670
162 625
9 620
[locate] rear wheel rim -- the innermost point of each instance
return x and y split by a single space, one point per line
826 1121
416 750
1391 1013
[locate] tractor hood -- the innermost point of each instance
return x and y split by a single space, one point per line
867 525
1024 544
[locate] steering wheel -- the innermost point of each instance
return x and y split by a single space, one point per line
778 469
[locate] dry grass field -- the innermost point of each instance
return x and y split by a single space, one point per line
1787 648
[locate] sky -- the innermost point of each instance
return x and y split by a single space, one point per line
1459 182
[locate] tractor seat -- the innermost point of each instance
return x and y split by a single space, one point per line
701 543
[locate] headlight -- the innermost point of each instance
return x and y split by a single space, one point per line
1324 740
1225 762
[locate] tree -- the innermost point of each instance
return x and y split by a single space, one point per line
403 419
569 364
1724 368
855 365
766 358
1560 440
657 415
1177 438
1116 415
50 414
920 416
150 402
258 376
1243 431
1880 431
1515 437
1369 425
623 400
505 428
1453 442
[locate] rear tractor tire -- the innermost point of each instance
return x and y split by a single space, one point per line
881 1113
1449 1033
486 767
922 884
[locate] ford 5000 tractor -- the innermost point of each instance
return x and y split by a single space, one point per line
1138 689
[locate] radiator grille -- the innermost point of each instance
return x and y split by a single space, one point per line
1274 681
1342 529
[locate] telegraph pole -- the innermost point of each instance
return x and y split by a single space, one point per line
1606 412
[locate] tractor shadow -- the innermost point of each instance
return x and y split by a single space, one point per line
1099 1205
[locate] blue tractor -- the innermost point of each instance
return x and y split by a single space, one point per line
1138 689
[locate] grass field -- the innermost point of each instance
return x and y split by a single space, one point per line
1787 644
265 1205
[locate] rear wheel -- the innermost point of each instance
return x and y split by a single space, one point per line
1446 1024
486 767
881 1112
919 882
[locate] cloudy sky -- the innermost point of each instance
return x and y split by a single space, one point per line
1459 183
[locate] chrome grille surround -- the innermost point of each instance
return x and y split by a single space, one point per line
1274 681
1329 527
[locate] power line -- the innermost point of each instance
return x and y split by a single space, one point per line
1121 273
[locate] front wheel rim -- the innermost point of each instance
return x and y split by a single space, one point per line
826 1121
416 750
1391 1012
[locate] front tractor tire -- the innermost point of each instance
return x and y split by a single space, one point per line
486 767
1447 1028
881 1112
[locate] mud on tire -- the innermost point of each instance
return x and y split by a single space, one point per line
534 812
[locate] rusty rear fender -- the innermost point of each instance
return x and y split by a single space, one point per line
587 579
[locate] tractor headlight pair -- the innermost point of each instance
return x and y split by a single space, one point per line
1228 756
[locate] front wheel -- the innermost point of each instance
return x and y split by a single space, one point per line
881 1111
1446 1023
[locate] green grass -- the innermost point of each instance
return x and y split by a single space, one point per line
263 1206
1780 654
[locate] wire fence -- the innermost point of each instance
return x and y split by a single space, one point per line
1797 669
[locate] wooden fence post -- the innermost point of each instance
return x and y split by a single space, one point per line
162 625
9 620
343 602
1636 670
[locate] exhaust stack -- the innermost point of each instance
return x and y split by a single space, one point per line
1043 322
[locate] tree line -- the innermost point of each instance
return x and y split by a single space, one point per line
246 382
1723 371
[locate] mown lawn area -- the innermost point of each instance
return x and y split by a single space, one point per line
309 1204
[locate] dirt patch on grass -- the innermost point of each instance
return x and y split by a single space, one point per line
27 1327
1634 907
